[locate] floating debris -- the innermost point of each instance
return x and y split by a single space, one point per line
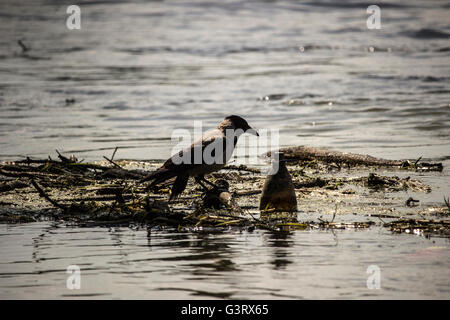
70 101
22 46
109 193
410 202
395 183
420 226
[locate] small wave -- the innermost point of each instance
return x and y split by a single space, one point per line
77 91
350 5
405 78
131 139
432 126
32 57
66 50
120 107
145 50
271 97
307 95
443 91
370 109
344 30
207 51
445 49
426 34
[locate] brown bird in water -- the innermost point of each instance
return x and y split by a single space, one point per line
208 154
278 192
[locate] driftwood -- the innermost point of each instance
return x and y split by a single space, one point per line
304 154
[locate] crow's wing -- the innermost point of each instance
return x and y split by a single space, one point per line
206 150
212 143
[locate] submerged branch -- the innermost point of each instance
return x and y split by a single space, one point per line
45 195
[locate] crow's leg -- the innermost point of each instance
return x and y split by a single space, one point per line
199 179
209 182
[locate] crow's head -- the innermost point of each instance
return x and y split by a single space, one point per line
238 122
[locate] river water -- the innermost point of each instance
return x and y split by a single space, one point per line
141 264
136 71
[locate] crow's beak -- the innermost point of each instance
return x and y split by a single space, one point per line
252 131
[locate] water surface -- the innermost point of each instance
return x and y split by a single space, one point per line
138 70
149 264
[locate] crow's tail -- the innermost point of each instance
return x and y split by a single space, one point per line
179 185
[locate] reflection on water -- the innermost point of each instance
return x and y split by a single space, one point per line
154 264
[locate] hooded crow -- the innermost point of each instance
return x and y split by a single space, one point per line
208 154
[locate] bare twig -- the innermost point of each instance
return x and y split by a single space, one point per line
447 203
44 195
111 160
23 46
417 161
114 153
113 163
335 211
63 159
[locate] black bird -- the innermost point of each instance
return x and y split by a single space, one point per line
208 154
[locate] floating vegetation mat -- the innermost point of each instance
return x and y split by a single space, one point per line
420 227
334 191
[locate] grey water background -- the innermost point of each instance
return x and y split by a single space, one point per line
137 70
